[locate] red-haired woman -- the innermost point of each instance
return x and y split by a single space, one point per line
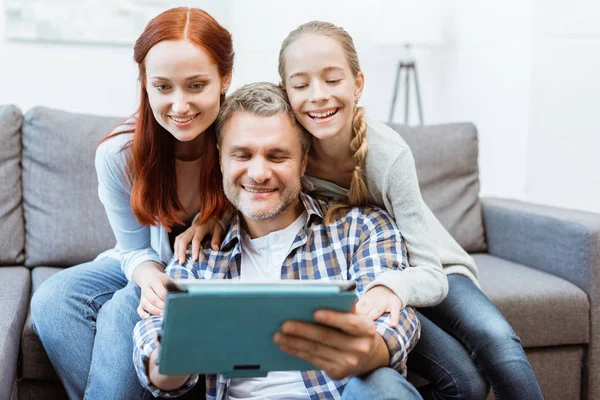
156 172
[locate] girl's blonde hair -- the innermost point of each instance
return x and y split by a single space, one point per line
358 194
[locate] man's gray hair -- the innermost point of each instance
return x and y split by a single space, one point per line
263 99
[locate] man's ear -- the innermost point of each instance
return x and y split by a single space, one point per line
304 162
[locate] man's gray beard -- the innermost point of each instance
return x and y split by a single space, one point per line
261 216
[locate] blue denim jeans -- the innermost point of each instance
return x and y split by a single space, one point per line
467 343
84 317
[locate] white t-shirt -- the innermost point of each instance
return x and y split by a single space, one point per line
262 259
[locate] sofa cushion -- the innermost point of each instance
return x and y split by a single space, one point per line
12 229
65 221
35 363
448 173
544 310
15 286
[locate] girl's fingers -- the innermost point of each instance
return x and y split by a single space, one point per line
376 312
395 314
363 306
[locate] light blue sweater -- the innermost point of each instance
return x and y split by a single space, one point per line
135 243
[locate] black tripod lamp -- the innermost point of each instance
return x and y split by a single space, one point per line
409 67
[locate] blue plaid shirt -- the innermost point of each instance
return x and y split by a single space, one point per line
358 246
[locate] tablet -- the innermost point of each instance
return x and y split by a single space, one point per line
227 326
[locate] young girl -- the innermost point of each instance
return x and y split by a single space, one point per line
465 341
155 173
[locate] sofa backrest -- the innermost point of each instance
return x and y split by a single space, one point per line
12 236
65 223
446 158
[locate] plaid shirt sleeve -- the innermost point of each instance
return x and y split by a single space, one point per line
400 340
144 342
146 331
381 248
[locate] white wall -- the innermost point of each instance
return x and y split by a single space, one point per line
80 78
487 82
527 73
102 79
564 132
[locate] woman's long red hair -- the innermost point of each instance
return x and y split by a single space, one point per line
151 166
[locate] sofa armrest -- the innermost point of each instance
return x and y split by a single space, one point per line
15 288
559 241
562 242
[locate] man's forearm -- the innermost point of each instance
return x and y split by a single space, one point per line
401 339
380 356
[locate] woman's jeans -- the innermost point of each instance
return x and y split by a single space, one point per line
84 316
466 343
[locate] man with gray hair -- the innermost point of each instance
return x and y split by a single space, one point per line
278 232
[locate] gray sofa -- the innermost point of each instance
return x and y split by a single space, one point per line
540 265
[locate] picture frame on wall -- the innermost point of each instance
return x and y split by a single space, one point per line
102 22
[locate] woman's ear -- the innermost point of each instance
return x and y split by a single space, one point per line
227 81
281 85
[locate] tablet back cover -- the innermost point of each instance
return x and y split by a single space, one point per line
232 333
